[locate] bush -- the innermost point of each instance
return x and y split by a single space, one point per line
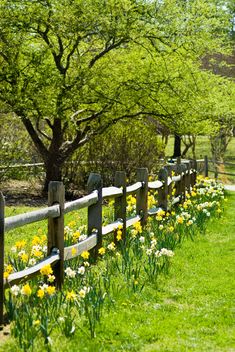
125 146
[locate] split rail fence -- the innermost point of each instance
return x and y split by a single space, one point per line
207 162
183 180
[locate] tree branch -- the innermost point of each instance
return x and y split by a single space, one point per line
33 134
105 51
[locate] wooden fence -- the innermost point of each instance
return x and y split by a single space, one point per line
206 167
184 178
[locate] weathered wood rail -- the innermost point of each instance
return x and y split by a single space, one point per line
183 180
215 163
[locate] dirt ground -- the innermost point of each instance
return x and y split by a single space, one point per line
26 193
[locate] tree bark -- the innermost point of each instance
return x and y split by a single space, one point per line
177 146
53 168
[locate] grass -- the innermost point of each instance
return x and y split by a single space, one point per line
203 148
191 309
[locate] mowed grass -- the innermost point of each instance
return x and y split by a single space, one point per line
203 148
190 309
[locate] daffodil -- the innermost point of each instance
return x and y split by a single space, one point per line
51 290
101 250
46 270
85 255
71 296
40 293
26 290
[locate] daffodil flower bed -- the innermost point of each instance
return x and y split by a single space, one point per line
38 311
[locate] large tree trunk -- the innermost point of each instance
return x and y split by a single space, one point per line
53 168
177 146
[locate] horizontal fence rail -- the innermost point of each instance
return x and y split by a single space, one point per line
133 188
15 221
216 164
25 275
77 249
183 180
81 203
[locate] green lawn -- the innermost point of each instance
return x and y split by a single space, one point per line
191 309
203 148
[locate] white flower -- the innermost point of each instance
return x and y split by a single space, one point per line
51 278
44 287
50 341
70 272
82 238
15 290
141 239
21 253
153 243
68 229
14 249
167 252
82 293
32 261
81 270
149 251
111 246
158 254
72 330
61 319
161 227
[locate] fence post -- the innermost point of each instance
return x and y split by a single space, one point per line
194 171
178 188
206 168
187 176
120 202
95 211
183 169
170 169
142 195
2 211
56 195
163 191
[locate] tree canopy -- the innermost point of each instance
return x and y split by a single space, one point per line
72 68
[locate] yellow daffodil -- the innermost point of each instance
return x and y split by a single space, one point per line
119 235
101 251
26 290
46 270
6 274
20 244
24 257
40 293
85 255
9 268
71 296
51 290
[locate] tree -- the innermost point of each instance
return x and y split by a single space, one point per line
49 55
72 68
